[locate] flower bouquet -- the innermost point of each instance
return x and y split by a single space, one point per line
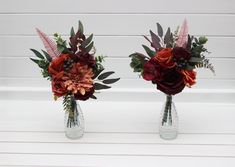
75 73
170 65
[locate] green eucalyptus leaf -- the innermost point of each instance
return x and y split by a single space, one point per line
37 53
203 40
189 67
150 52
196 59
48 57
35 60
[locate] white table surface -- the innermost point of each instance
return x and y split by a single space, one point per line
117 134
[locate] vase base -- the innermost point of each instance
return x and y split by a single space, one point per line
170 135
74 134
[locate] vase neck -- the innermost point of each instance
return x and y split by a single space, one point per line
169 98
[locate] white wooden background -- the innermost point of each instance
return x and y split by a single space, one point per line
122 126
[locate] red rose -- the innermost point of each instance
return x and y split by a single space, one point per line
86 58
172 81
57 65
168 80
180 53
151 70
165 58
58 87
189 77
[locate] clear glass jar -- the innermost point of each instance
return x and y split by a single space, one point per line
74 122
168 128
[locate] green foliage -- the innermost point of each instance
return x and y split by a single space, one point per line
102 77
168 38
87 41
105 75
110 81
72 32
69 103
42 62
99 86
197 48
159 30
150 52
100 59
61 44
98 68
80 27
206 64
137 61
89 47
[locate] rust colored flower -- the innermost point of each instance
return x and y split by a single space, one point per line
79 79
189 77
165 58
58 87
57 65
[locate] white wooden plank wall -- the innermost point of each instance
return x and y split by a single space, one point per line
117 26
122 127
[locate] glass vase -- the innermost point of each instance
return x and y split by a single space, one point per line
168 128
74 122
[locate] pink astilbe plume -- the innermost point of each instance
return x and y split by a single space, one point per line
50 45
183 35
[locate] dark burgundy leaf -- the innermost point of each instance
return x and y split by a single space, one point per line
93 97
105 75
155 41
159 30
89 47
167 36
147 39
110 81
99 86
87 41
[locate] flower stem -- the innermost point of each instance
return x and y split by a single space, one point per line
167 110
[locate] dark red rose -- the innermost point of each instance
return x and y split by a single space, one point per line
152 70
171 82
58 87
57 65
86 96
168 80
86 58
180 53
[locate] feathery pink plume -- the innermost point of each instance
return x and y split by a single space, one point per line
50 45
183 35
